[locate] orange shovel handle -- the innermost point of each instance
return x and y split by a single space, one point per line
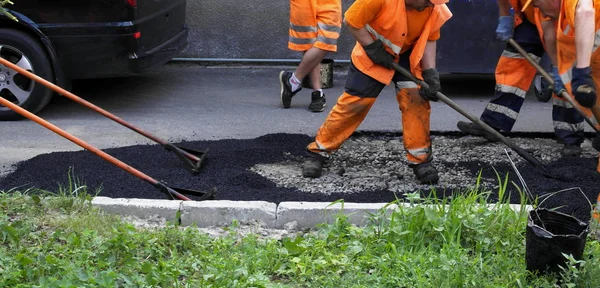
82 143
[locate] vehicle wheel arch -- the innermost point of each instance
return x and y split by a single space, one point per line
27 26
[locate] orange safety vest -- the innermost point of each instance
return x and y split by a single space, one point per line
391 28
565 37
517 5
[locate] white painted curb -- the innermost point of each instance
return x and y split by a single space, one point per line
211 213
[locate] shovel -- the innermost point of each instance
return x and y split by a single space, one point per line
564 94
191 158
536 163
171 192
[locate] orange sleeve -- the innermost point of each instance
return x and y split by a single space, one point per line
570 7
362 12
434 35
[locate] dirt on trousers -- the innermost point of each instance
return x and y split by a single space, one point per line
369 168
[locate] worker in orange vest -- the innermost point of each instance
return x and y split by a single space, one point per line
577 41
514 75
314 29
384 36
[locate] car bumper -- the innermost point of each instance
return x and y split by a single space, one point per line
160 54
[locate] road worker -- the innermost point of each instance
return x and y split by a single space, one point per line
577 40
314 30
514 75
384 36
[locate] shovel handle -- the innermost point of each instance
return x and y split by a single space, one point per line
83 144
471 117
97 109
564 94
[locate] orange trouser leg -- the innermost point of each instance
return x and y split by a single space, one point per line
342 121
415 123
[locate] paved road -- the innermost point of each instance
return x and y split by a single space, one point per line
189 102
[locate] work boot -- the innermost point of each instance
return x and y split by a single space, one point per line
474 130
425 173
571 150
317 103
286 89
313 165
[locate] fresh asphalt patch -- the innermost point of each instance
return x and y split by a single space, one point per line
369 168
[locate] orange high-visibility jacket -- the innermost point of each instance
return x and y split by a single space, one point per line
566 50
390 26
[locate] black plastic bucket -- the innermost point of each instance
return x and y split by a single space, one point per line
548 235
326 75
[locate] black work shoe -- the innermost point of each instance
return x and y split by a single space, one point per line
474 130
571 150
317 103
313 166
286 89
425 173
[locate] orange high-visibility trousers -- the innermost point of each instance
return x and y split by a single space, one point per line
354 104
315 23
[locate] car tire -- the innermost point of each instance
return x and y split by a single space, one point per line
27 52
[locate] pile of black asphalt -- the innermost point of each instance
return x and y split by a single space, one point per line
227 168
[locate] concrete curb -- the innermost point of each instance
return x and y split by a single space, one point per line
296 215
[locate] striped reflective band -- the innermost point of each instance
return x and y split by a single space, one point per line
516 55
385 41
502 110
561 103
419 152
559 125
314 29
512 90
406 85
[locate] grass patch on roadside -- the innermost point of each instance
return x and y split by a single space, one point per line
62 241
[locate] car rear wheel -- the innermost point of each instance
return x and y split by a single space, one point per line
27 53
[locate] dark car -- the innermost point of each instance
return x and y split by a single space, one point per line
73 39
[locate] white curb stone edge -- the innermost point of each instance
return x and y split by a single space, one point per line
211 213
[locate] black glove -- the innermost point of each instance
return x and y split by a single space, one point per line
378 55
584 89
431 77
596 142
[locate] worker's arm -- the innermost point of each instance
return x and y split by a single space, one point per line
584 32
428 60
360 34
503 8
549 28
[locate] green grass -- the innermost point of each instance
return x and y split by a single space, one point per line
62 241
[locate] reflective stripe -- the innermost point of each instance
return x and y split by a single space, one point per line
385 41
596 40
406 84
299 28
330 41
329 28
559 125
509 89
321 147
567 30
419 152
567 76
516 55
301 41
561 103
502 110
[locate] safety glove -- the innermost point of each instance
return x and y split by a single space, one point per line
596 142
584 89
504 31
558 86
378 55
432 78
